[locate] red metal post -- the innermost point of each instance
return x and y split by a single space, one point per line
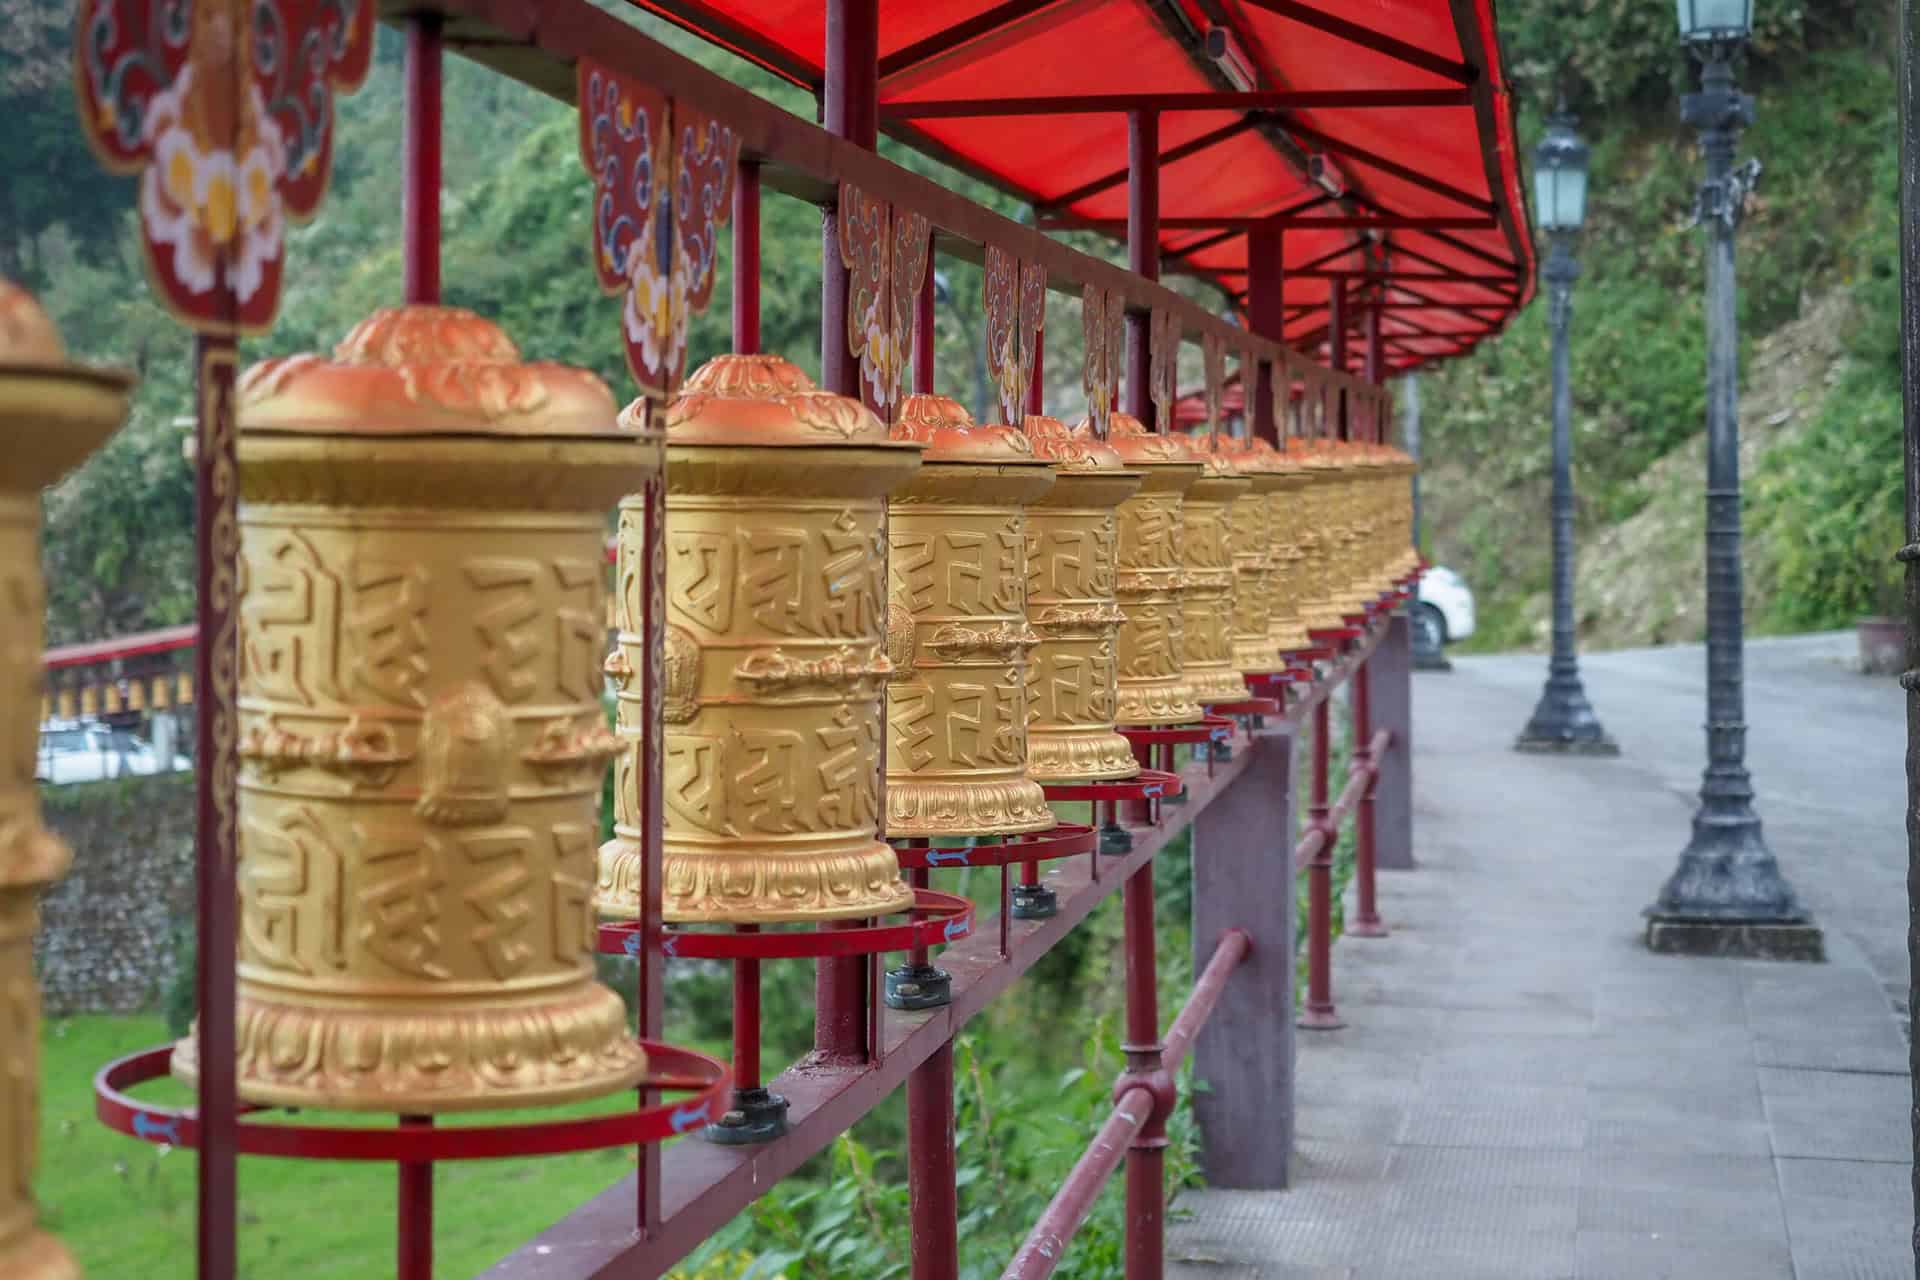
1376 368
1146 1154
1319 1014
216 535
1337 322
1143 246
414 1260
1266 316
746 259
851 112
923 333
746 1021
420 196
1366 917
933 1201
650 981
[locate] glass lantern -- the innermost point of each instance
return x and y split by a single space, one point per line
1560 177
1702 21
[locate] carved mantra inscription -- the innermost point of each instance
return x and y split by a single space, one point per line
422 744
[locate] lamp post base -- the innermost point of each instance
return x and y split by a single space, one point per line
1727 897
1544 746
1677 936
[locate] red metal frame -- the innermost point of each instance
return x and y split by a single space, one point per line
678 1198
671 1069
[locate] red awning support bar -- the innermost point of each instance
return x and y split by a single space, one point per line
1252 100
710 23
1374 160
1368 38
981 28
1313 222
1191 147
1461 246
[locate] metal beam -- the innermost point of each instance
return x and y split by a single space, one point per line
1374 160
941 43
1321 222
1191 147
713 25
1368 38
1096 104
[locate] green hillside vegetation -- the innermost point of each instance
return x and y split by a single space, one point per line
1819 314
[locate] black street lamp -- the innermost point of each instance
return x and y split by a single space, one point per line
1563 720
1727 897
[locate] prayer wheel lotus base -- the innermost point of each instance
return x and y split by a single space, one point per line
530 1052
957 630
776 653
421 738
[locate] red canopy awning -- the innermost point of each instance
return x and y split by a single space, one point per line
1403 102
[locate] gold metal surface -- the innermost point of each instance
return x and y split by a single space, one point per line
1318 537
1207 606
1294 547
957 627
1149 579
421 735
1254 556
52 415
1070 603
777 658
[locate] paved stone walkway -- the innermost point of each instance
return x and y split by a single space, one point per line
1523 1091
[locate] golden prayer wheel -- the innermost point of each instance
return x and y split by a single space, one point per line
1071 685
421 735
1405 556
1360 584
1293 563
957 630
1253 551
53 414
776 650
1207 606
1316 534
1149 579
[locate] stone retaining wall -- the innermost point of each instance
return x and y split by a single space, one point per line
107 932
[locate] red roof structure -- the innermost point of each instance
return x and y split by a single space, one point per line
1377 137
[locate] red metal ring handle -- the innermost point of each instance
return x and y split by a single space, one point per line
1205 729
1065 841
672 1069
1148 784
947 918
1246 707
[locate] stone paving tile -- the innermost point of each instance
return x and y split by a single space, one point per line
1470 1170
1674 1171
1838 1124
1319 1163
1854 1250
1874 1188
1643 1121
1615 1255
1435 1251
1360 1122
1493 1210
1693 1212
1551 1127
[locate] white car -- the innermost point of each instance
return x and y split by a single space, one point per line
88 751
1443 613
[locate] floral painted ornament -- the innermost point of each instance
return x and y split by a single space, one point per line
663 179
885 251
224 109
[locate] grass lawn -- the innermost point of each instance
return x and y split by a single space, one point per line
126 1208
